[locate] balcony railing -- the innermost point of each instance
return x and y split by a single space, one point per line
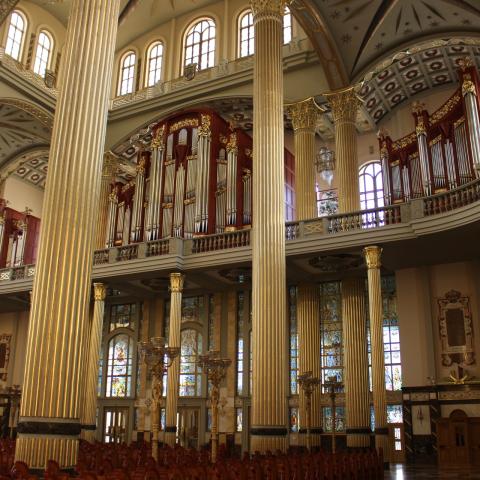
365 220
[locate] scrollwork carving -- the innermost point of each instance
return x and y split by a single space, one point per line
344 105
304 114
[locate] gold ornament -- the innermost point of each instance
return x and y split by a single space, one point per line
176 282
373 256
99 292
344 105
204 129
304 114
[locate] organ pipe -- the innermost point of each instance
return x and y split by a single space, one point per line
112 216
232 154
138 202
471 110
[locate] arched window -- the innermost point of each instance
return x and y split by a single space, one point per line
43 53
371 186
16 34
200 44
120 366
127 73
154 63
246 40
287 26
190 372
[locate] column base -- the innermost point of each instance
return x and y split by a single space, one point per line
170 436
383 442
358 437
89 433
268 439
36 450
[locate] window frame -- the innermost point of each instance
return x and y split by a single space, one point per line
121 69
148 59
191 26
243 14
377 179
44 31
287 12
24 18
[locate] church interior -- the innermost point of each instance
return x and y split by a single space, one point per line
239 239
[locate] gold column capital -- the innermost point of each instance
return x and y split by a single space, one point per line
159 138
373 256
304 114
344 104
176 282
110 164
99 292
204 130
268 7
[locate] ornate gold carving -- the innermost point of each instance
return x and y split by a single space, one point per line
159 138
99 292
404 142
128 185
418 107
223 139
445 109
373 256
110 164
187 122
204 129
468 87
113 196
304 114
269 7
437 139
167 205
458 122
344 105
189 201
141 167
176 282
420 128
464 63
232 143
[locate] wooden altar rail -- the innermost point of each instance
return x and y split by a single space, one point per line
365 220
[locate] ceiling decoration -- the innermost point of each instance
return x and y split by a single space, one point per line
341 262
34 170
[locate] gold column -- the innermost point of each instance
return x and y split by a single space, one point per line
373 260
174 340
49 424
269 408
89 412
308 321
357 400
345 105
108 172
304 117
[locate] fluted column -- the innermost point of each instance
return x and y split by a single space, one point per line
49 424
308 322
89 412
174 340
108 172
469 92
269 325
345 105
304 117
357 400
375 304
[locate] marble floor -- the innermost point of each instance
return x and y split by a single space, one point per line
430 472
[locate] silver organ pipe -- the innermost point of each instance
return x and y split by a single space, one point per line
247 197
450 161
127 222
137 207
386 174
2 228
201 204
406 183
437 164
189 223
423 153
178 203
112 216
415 176
232 156
397 193
461 145
20 244
470 93
220 193
168 197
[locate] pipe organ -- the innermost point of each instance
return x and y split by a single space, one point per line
194 177
444 150
19 232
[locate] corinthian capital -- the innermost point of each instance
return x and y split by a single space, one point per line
304 114
344 105
99 292
176 282
269 7
110 164
373 256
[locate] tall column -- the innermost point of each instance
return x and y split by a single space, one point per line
469 92
108 172
373 261
345 105
357 399
308 321
174 340
269 322
49 424
304 117
89 412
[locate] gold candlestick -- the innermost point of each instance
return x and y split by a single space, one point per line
308 383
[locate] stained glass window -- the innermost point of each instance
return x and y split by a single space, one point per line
190 372
239 419
200 44
339 419
127 73
119 367
122 316
287 26
100 373
331 331
16 33
292 304
240 342
294 420
155 58
42 55
246 34
394 415
192 308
